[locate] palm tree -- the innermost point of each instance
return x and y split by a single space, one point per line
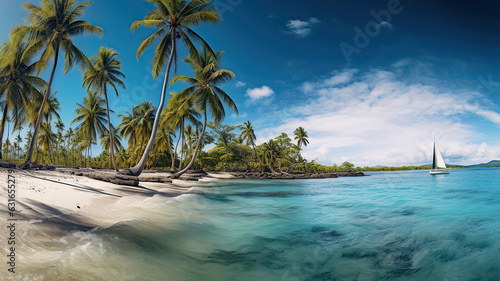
92 118
192 136
271 153
248 135
28 138
205 90
52 106
60 125
180 110
106 142
123 157
69 136
46 139
301 138
163 142
223 133
19 140
18 83
172 18
105 72
69 139
7 147
33 108
51 26
59 136
138 125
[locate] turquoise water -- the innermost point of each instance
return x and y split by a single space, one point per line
386 226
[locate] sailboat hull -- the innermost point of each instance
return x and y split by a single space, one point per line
439 171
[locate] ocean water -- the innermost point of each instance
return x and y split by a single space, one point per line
387 226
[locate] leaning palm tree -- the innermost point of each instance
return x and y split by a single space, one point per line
18 83
205 89
173 19
105 72
91 116
51 26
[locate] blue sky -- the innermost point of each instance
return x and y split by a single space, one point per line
429 69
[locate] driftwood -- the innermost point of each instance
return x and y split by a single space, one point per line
113 178
7 165
155 179
35 167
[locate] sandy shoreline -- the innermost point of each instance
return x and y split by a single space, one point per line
80 201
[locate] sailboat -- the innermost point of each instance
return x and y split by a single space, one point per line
438 165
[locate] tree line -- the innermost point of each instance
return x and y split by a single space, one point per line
171 135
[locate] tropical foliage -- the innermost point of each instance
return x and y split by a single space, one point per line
185 131
50 28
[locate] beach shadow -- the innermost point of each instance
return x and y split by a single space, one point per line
142 190
52 217
81 187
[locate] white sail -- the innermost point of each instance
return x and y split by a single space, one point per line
438 158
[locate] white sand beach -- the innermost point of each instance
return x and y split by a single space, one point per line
44 194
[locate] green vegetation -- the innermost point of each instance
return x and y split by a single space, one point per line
50 28
173 19
185 132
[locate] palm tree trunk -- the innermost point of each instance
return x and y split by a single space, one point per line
293 163
175 154
270 165
111 133
171 149
137 169
198 144
42 109
291 167
51 155
2 129
36 151
256 156
182 144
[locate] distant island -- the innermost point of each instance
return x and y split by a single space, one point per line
491 164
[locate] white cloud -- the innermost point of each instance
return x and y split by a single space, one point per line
241 115
302 28
376 118
385 24
240 84
314 21
337 78
256 94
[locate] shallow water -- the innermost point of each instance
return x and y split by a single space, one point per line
387 226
